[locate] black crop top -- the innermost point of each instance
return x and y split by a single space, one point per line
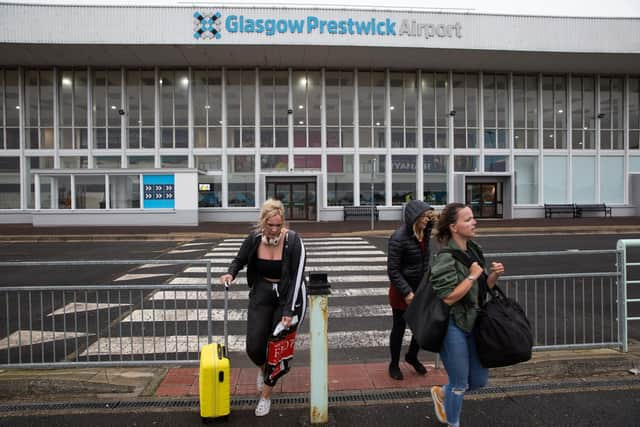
269 268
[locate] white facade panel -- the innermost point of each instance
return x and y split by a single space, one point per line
175 25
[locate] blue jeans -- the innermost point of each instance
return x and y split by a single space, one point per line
464 370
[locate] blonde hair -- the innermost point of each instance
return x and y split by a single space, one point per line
417 231
270 208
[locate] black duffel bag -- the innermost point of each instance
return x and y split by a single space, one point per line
427 316
502 331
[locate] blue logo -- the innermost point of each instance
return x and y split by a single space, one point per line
207 25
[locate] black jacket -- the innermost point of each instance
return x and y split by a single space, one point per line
406 262
291 288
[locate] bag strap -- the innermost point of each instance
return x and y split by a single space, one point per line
458 255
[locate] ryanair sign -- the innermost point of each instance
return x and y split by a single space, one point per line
214 25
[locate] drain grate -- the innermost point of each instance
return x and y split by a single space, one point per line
364 397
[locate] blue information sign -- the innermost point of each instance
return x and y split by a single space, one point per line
158 191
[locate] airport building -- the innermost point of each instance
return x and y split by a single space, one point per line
141 115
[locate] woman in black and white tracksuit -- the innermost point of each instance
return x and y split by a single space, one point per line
275 259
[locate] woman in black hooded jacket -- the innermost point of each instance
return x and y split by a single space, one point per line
407 262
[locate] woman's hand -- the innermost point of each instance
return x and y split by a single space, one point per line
286 321
496 270
409 298
225 278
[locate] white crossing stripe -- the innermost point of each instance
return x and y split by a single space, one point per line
197 244
237 343
138 276
186 251
307 243
81 307
146 266
333 247
330 279
240 314
29 337
316 260
244 294
327 268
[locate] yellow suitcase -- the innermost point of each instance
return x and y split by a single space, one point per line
215 375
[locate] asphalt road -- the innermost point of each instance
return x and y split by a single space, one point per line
617 407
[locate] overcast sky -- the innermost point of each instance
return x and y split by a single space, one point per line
611 8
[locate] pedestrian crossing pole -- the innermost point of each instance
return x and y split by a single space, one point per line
318 340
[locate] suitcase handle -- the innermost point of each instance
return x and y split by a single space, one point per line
226 309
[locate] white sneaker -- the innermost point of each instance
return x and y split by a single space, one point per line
260 381
263 408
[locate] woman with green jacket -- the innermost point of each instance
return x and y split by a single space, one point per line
459 287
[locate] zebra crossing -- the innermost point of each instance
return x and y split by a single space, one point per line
359 314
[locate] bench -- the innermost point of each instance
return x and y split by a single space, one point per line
550 209
601 207
364 211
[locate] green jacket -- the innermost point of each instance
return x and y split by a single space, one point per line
446 273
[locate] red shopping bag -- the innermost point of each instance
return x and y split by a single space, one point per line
280 350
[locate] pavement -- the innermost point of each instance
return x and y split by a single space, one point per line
29 387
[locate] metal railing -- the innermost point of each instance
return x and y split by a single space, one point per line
96 325
629 281
64 326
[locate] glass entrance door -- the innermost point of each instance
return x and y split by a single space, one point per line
298 198
485 199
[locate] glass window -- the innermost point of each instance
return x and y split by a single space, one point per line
38 111
124 191
9 183
307 96
274 162
526 177
274 107
435 179
90 192
307 162
583 113
584 179
465 164
496 110
555 179
72 111
634 113
611 113
209 191
369 175
241 170
240 96
140 162
107 109
59 190
634 164
209 163
465 105
33 163
371 107
9 110
207 109
612 179
496 163
107 162
339 180
403 179
339 92
174 162
403 97
74 162
554 112
173 107
435 110
140 110
525 112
